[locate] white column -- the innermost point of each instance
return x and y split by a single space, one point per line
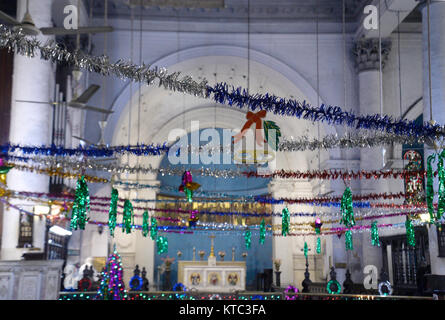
437 49
368 66
341 258
289 249
33 79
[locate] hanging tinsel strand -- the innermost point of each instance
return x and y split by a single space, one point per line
15 40
145 226
410 234
113 211
375 234
262 231
247 238
127 217
441 173
285 221
81 205
430 188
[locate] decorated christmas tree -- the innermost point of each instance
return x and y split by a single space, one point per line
112 285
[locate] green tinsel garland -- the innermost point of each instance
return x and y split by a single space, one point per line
188 194
430 187
145 227
247 238
81 205
410 234
318 247
375 234
127 216
153 228
162 244
285 221
262 232
347 219
347 211
113 211
348 240
305 249
441 173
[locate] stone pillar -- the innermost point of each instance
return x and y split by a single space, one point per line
338 257
289 248
368 68
437 49
33 79
134 248
368 65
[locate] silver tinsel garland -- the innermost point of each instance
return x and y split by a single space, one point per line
15 40
350 140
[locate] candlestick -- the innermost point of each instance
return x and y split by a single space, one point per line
194 252
233 254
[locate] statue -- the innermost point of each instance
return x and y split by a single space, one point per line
92 273
71 275
145 282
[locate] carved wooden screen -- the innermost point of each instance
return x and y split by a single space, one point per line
406 260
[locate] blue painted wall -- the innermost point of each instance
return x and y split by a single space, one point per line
259 256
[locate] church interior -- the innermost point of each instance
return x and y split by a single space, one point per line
297 153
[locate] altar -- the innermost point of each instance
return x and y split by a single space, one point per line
222 276
212 275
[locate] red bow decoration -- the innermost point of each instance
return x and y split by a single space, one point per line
251 119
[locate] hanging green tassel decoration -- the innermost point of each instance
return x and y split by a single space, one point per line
247 238
162 244
348 240
347 214
145 227
113 211
81 205
430 187
410 235
285 221
375 234
305 249
153 228
127 216
262 232
441 173
188 194
318 247
347 211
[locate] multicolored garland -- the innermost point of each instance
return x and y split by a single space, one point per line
188 186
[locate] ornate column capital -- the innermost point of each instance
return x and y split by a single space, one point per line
366 53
